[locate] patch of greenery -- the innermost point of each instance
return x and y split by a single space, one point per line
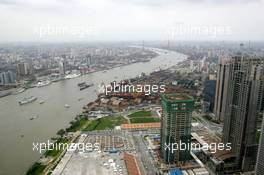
55 152
92 125
140 114
36 169
105 123
144 120
76 125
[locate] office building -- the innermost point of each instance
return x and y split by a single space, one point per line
260 158
62 67
176 126
7 78
88 60
221 89
209 94
22 69
242 108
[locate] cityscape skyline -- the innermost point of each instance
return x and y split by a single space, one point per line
136 87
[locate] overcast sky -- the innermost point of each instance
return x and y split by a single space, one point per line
99 20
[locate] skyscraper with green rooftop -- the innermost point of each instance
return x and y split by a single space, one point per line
176 127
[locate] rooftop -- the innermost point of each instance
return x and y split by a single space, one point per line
176 172
131 164
176 97
141 125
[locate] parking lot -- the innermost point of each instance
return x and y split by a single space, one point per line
110 142
108 159
94 163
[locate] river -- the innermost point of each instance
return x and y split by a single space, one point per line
16 154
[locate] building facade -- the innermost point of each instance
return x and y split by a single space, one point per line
7 78
22 69
242 108
176 127
221 89
260 158
62 67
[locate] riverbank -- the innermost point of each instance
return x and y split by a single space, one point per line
14 119
102 114
14 90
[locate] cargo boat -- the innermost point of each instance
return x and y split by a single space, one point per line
81 84
85 86
27 100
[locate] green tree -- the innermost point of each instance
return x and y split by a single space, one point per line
61 132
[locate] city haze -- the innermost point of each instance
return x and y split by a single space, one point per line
104 20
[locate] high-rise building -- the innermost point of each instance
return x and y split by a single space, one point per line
62 67
242 108
260 158
7 78
221 89
191 65
88 60
176 126
209 93
22 69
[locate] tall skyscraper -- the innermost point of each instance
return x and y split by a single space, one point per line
22 69
88 60
7 78
176 126
62 67
260 158
221 89
242 108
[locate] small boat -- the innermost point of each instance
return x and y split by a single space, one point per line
35 117
85 86
43 83
41 102
27 100
66 106
72 76
104 71
81 84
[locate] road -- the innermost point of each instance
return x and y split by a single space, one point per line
145 156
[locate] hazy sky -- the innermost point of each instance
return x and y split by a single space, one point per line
93 20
